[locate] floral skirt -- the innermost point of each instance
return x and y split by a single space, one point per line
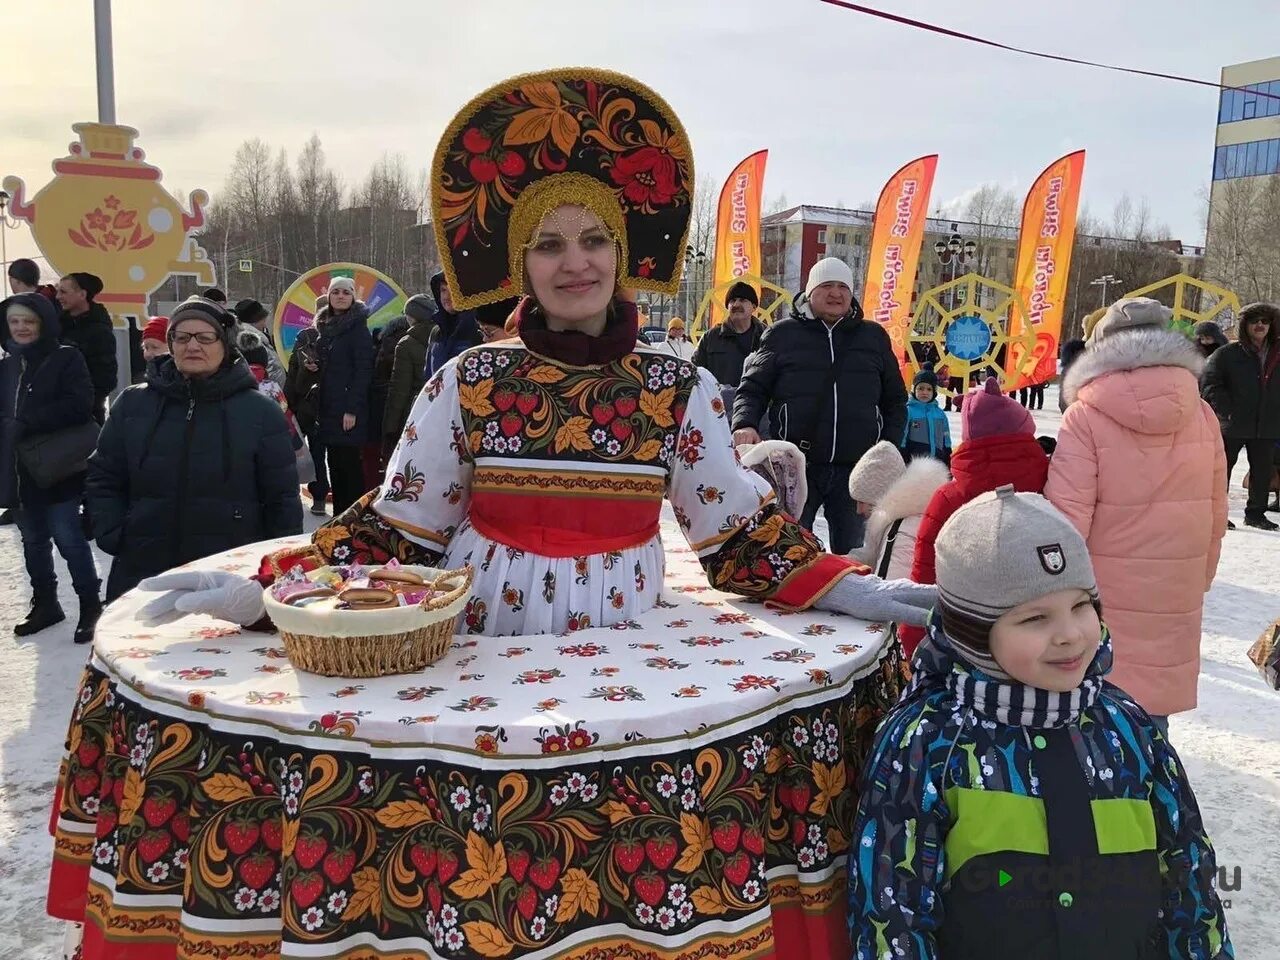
518 594
177 841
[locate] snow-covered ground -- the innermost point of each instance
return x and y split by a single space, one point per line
1230 745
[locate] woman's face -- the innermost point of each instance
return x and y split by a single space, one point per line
24 327
572 263
341 299
153 348
197 349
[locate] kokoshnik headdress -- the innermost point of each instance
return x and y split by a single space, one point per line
536 142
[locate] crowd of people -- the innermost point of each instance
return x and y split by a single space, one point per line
995 560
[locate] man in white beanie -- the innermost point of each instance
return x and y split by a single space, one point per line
831 385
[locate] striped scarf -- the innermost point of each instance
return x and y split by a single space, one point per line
1006 701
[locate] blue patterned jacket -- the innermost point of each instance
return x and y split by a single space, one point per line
997 820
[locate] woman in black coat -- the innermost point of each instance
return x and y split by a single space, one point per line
344 352
193 462
45 388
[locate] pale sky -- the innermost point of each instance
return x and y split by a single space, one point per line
841 100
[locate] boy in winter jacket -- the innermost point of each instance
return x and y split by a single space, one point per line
892 496
927 433
997 446
1016 804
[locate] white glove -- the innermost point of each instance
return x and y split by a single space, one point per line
223 596
881 601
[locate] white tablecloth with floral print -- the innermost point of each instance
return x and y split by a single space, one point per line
676 787
700 658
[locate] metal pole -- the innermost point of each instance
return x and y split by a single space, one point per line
105 61
4 250
105 64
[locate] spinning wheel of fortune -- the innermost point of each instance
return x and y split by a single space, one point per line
297 307
961 327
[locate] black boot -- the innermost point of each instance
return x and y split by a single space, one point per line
45 612
6 518
1274 507
1260 523
90 611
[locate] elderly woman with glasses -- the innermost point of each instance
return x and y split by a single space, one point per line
193 461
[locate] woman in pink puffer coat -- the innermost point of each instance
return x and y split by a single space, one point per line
1140 471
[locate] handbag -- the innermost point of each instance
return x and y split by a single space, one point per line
1265 655
59 454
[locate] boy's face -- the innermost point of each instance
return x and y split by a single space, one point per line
864 509
924 392
1048 642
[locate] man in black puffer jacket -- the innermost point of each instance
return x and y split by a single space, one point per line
831 385
86 325
194 461
1242 383
725 347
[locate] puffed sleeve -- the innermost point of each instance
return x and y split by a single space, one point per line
731 519
424 495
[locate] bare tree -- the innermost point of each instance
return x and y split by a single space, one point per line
319 197
1244 237
776 205
701 249
994 211
1131 247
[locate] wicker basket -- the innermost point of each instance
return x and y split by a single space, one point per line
397 640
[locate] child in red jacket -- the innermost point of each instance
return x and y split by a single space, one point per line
998 447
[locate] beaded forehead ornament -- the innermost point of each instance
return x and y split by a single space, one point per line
536 142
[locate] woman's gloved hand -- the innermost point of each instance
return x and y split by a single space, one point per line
880 601
223 596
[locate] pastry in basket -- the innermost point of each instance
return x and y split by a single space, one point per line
396 575
351 621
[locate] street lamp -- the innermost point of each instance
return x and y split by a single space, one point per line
1105 281
692 258
956 252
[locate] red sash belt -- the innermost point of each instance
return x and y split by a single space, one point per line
556 541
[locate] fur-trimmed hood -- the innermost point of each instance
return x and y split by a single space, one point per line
1146 379
909 496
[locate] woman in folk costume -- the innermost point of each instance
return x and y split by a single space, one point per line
543 460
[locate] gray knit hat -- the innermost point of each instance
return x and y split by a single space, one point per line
877 471
1131 313
1001 550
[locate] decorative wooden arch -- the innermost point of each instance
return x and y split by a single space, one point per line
1185 316
954 308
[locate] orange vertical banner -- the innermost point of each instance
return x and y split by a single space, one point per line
896 237
1045 242
738 224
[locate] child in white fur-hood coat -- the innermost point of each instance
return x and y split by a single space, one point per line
892 495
